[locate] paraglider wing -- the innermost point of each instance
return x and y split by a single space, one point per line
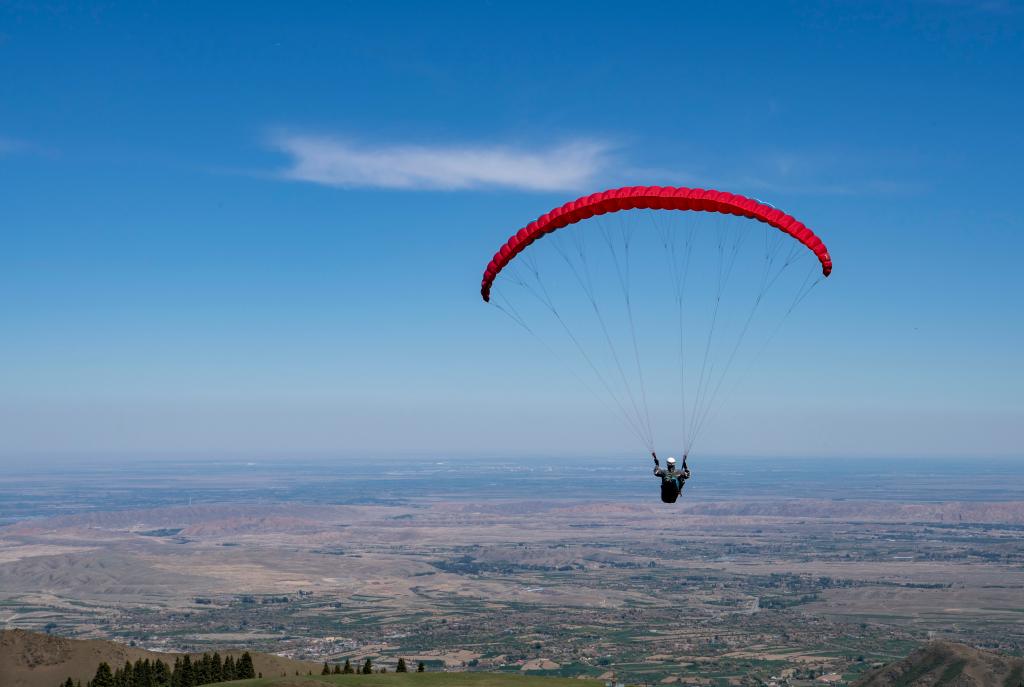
654 198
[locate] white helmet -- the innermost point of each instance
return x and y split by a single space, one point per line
671 461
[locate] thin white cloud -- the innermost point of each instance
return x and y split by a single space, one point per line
867 187
994 7
332 162
14 146
8 145
825 172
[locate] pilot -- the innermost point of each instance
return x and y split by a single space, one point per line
672 482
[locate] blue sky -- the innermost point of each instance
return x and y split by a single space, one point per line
259 229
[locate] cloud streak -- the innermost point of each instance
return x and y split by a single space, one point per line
9 146
328 161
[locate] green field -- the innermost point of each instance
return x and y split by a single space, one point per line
413 680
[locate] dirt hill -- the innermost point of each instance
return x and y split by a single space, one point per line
32 659
947 664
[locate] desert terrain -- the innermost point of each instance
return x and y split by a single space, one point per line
529 583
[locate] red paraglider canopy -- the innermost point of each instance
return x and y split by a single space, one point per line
654 198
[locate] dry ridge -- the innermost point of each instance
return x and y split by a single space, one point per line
945 664
34 659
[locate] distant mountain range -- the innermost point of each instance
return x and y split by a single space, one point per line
34 659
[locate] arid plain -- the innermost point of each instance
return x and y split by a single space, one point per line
550 573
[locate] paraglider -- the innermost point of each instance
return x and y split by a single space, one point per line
708 284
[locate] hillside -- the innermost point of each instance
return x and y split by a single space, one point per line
945 664
33 659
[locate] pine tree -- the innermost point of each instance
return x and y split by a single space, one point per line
127 673
244 669
104 677
161 674
68 683
326 669
422 667
228 669
176 672
401 666
368 668
187 675
337 670
216 668
347 670
201 670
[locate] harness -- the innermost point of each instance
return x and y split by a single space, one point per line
671 486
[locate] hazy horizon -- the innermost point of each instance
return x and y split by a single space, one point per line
39 491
